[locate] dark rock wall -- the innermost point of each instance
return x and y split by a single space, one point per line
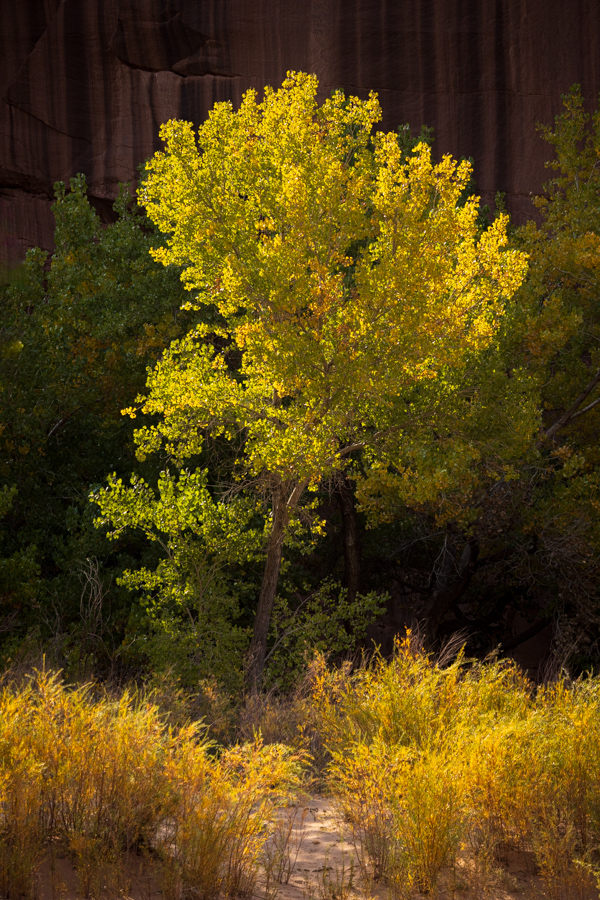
85 84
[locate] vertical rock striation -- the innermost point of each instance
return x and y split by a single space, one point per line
85 84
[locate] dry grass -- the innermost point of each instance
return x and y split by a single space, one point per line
436 769
99 779
430 762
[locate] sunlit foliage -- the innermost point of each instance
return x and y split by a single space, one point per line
97 779
346 282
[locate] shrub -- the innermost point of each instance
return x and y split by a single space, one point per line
101 777
429 762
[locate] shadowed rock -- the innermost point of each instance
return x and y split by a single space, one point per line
85 84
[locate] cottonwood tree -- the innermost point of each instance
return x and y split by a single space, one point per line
345 282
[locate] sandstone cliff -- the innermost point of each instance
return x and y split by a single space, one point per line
85 84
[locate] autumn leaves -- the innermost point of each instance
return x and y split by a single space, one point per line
334 277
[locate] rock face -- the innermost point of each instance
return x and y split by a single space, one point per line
85 84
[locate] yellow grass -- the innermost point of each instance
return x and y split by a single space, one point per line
435 768
98 778
431 763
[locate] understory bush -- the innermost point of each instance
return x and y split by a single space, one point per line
439 770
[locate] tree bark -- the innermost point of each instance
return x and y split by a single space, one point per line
351 535
283 503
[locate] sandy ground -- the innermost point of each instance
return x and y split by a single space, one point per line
308 859
316 854
324 866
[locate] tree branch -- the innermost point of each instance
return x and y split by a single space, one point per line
444 599
351 447
586 408
62 421
530 632
573 412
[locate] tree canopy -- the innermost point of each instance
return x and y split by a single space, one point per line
79 329
362 412
345 283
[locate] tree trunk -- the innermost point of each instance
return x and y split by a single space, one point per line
282 506
351 534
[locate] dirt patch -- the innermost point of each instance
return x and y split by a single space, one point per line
307 858
131 877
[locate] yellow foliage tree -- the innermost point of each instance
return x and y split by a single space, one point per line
342 275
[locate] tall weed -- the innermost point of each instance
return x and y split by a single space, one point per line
214 836
21 794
